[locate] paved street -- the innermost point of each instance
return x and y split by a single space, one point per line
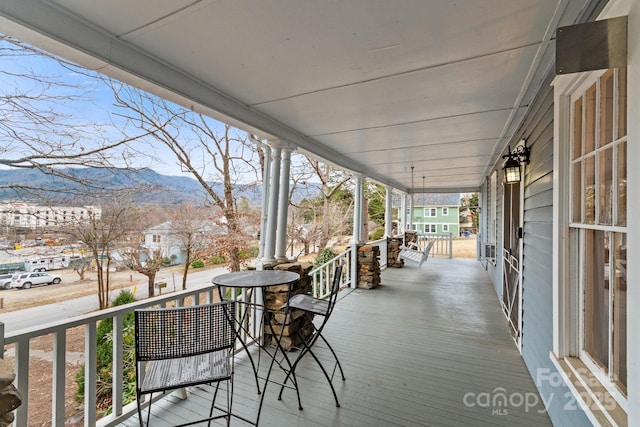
30 317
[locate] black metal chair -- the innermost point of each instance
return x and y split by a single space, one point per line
311 307
182 347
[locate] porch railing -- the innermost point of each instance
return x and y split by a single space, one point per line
442 247
321 275
21 340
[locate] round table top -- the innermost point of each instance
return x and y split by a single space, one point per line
255 278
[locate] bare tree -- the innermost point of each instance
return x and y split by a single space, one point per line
303 228
219 157
101 233
144 261
52 123
332 181
81 266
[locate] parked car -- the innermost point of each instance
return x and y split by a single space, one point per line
26 280
5 280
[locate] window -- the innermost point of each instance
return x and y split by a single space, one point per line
156 238
445 211
429 228
445 228
429 211
598 224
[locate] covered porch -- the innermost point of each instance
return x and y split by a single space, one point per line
430 347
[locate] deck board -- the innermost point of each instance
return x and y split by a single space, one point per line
411 350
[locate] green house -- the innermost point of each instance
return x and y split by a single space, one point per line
435 214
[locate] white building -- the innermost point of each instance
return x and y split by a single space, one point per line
33 216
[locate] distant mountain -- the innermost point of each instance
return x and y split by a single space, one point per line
149 187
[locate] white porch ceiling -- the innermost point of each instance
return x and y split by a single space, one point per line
374 86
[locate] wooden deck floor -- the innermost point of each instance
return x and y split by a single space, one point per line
430 347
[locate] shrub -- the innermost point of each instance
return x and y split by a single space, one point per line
251 252
217 259
377 234
325 255
104 368
197 263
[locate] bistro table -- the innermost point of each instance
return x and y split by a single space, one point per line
252 281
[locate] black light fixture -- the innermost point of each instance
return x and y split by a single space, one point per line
511 170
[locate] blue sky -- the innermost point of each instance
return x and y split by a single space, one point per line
96 107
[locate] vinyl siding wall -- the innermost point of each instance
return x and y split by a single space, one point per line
537 285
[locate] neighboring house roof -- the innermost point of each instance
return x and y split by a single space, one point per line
167 227
433 200
163 228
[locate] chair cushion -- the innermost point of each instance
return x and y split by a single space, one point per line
184 371
309 304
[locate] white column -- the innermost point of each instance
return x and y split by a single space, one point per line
357 210
402 215
357 229
272 215
283 205
388 230
411 201
266 185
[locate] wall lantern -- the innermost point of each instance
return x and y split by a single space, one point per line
512 170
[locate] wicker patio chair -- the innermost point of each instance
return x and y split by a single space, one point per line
182 347
312 306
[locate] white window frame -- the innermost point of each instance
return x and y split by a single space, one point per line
445 211
567 322
445 228
593 78
430 228
430 212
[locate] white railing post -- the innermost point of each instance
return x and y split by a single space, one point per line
90 373
2 340
22 382
58 386
117 364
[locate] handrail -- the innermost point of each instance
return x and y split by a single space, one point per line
321 275
21 339
58 329
443 244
